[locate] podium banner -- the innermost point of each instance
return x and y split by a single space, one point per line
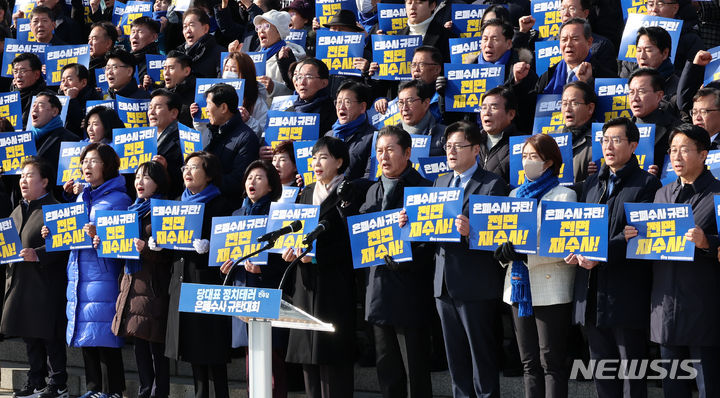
230 300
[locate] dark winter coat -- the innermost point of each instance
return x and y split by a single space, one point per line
664 122
359 145
497 159
236 145
205 54
130 90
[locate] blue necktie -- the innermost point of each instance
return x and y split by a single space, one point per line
456 181
571 76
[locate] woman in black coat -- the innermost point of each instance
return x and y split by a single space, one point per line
324 285
201 339
35 288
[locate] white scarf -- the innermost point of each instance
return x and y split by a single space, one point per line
421 28
322 191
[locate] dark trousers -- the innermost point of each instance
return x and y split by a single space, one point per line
329 381
94 357
153 369
542 341
618 343
402 357
470 342
203 373
708 371
47 358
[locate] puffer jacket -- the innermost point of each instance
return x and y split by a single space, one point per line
92 281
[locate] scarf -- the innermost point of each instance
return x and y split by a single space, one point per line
420 28
666 68
368 20
343 131
502 61
204 196
273 49
141 207
257 208
315 105
423 126
519 275
322 191
559 79
40 132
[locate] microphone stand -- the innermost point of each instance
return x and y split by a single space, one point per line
233 268
294 264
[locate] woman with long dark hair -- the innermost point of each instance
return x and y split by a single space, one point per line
254 108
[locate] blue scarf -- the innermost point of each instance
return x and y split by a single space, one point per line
343 131
519 275
502 61
272 50
40 132
368 20
559 79
141 207
204 196
159 14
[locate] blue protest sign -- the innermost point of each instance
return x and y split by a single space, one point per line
175 224
23 30
230 300
282 102
283 126
548 114
133 112
495 220
259 61
14 47
282 214
547 54
391 117
392 18
325 9
338 50
645 151
612 96
56 57
289 194
464 50
155 68
394 55
101 80
10 244
564 141
135 146
297 36
203 85
118 11
190 140
69 162
633 7
89 105
547 17
117 231
11 108
26 6
466 85
466 19
661 231
431 214
668 174
14 148
182 5
717 211
712 70
568 227
66 222
635 22
433 167
517 173
376 235
235 237
304 160
134 10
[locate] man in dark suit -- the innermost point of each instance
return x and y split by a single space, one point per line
467 282
163 113
706 113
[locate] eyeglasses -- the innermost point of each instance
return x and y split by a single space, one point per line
347 102
18 72
651 4
114 68
455 147
702 112
263 27
91 162
189 168
570 9
684 151
614 140
299 78
572 104
408 102
421 65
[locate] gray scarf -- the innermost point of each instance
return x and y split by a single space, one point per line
389 185
423 127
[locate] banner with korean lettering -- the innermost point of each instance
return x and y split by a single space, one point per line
14 148
190 140
712 70
66 222
547 54
712 162
118 11
376 235
297 36
282 214
325 9
282 102
645 151
89 105
26 6
431 214
517 173
259 61
135 146
101 80
117 231
23 31
464 50
569 227
283 126
394 55
235 237
548 114
392 18
69 162
612 96
230 300
304 160
56 57
466 19
391 117
203 85
547 17
133 112
13 48
433 167
289 194
635 22
495 220
176 224
661 231
338 51
10 244
155 68
11 108
633 7
466 85
134 10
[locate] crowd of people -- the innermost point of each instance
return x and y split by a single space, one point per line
446 306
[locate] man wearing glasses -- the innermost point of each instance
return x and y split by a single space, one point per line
27 78
311 78
690 42
352 126
578 105
415 117
119 71
706 113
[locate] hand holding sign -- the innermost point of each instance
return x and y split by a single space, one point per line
697 236
28 254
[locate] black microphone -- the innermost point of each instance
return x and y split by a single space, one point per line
321 227
292 227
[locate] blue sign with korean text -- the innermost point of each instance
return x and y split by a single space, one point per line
569 227
394 55
133 112
548 114
66 222
433 167
712 70
14 47
547 17
230 300
69 167
645 151
613 100
633 7
101 80
464 50
297 36
376 235
495 220
466 85
135 146
282 214
289 194
635 22
431 214
547 54
283 126
235 237
118 11
325 9
132 11
10 244
117 231
176 224
283 102
14 148
391 117
11 108
392 18
466 19
24 33
155 68
338 50
203 85
190 140
259 61
661 231
304 160
56 57
89 105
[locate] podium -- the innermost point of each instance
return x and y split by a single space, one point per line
262 309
